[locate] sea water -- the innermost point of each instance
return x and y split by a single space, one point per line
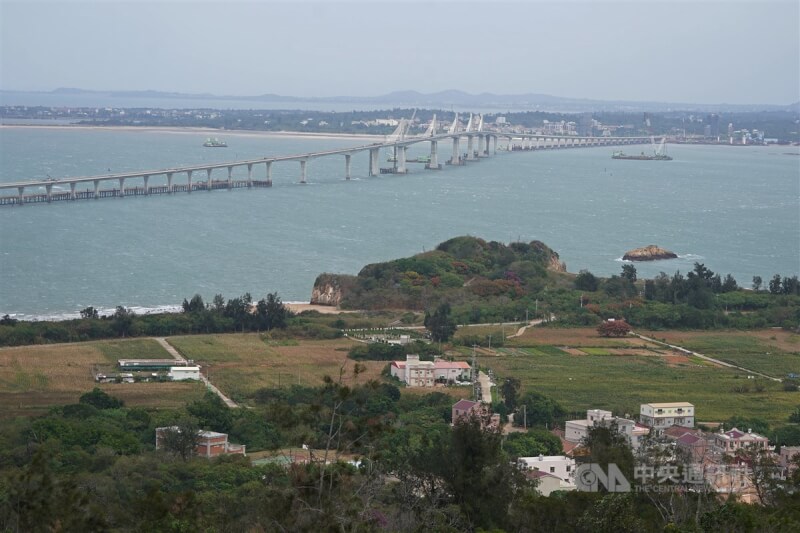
735 209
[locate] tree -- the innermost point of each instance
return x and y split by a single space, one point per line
757 282
440 324
195 305
775 284
613 328
122 321
532 443
510 391
629 272
211 413
89 312
539 410
181 439
586 281
99 399
270 313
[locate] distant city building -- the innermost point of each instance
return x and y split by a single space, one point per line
713 125
500 120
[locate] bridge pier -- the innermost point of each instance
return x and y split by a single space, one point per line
72 190
470 148
434 160
269 173
21 195
146 184
189 176
169 182
121 187
96 189
249 175
455 159
347 165
49 188
230 178
303 170
374 154
208 183
401 159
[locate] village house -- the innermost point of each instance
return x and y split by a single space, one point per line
576 431
734 440
416 373
546 483
560 466
209 443
464 409
660 416
786 460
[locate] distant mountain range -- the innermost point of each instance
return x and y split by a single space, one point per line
447 99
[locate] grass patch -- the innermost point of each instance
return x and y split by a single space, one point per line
621 384
36 378
595 351
240 364
755 351
545 350
131 349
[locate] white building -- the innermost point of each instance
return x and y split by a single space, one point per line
560 466
663 415
577 430
183 373
416 373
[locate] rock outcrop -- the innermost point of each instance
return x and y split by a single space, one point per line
329 288
648 253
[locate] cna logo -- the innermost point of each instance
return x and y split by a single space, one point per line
590 477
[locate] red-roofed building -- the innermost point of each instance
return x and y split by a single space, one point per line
209 443
416 373
735 439
694 445
465 409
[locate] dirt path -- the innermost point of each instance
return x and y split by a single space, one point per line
178 357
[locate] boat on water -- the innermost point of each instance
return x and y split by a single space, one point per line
215 143
659 153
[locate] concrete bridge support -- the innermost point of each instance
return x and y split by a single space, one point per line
401 159
434 162
454 159
249 175
121 187
230 178
169 182
189 178
269 173
209 183
470 148
374 154
494 144
96 189
347 166
303 164
49 189
20 195
146 179
72 190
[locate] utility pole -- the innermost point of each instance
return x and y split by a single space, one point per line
525 416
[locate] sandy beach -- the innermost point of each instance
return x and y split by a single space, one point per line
205 131
323 309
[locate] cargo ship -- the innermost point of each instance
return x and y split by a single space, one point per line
215 143
659 154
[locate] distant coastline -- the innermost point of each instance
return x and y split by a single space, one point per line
204 131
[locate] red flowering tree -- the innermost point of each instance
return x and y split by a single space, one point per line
613 328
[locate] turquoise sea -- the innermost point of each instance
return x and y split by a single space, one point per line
735 209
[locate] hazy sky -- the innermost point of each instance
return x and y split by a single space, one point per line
675 51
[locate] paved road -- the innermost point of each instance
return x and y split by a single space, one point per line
178 357
486 387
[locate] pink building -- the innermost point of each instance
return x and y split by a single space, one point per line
209 443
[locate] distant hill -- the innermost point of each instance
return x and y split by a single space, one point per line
455 98
460 270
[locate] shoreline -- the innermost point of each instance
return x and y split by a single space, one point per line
204 131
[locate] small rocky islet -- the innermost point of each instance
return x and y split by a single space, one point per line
648 253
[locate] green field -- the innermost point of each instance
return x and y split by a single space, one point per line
622 383
131 349
240 364
775 353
